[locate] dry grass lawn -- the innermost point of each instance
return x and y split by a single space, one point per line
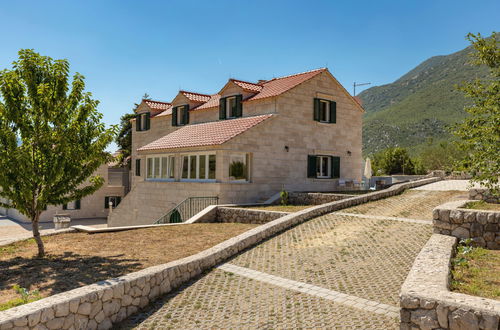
77 259
477 273
482 205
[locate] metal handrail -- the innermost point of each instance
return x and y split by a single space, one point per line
186 209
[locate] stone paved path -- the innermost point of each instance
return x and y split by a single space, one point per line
341 270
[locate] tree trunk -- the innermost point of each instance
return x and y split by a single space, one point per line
36 235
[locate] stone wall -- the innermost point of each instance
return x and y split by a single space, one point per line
481 226
426 302
483 194
241 215
99 305
304 198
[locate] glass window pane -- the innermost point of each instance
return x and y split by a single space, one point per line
323 111
318 166
231 107
237 167
211 167
171 167
150 168
156 167
164 167
201 166
184 167
192 168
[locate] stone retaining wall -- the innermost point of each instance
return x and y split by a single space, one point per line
99 305
481 226
484 195
241 215
426 302
304 198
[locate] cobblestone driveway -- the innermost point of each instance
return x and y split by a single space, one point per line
335 271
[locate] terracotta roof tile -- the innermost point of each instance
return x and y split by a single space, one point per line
206 134
277 86
196 97
248 86
213 102
157 105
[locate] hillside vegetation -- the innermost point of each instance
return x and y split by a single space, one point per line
417 108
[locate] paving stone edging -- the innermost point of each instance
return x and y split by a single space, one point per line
426 302
100 305
305 198
480 225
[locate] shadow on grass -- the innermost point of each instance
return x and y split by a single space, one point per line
62 272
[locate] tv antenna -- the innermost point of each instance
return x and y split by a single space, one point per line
356 85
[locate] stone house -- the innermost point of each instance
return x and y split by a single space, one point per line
243 144
90 207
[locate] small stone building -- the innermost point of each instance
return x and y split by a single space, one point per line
242 144
92 206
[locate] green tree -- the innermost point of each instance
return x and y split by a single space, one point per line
51 137
394 161
124 137
480 131
441 156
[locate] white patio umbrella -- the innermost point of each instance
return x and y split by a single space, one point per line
368 168
368 172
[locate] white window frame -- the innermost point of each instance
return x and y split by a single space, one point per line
230 115
197 162
150 160
180 114
71 205
327 111
246 158
319 162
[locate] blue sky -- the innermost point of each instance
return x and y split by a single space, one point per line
126 48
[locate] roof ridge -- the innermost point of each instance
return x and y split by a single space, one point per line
183 91
244 81
149 100
296 74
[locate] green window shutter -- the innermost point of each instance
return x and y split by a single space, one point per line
174 116
148 121
239 106
138 167
222 108
185 115
65 206
106 202
333 112
335 167
78 204
311 166
316 109
138 122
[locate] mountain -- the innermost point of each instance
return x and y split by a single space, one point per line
419 106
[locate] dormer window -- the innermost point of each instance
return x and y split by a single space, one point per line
180 115
230 107
143 121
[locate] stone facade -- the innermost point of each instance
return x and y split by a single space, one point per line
426 302
241 215
278 149
91 206
305 198
483 194
482 226
99 305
